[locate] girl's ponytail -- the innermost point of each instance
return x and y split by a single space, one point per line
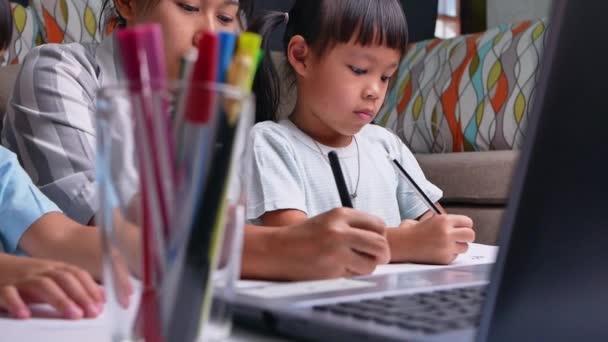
267 86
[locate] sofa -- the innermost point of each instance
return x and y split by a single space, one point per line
46 21
461 105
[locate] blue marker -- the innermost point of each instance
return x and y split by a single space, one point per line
227 43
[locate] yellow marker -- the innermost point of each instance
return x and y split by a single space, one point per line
242 69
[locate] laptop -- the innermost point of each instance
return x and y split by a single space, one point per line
550 279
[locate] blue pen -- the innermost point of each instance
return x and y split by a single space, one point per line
227 43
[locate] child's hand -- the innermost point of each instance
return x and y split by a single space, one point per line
340 243
436 240
69 289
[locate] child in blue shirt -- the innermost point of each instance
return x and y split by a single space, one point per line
32 224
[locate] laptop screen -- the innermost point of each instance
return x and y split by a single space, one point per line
549 282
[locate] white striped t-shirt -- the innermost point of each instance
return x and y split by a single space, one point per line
289 172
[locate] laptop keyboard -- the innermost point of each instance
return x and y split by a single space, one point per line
425 313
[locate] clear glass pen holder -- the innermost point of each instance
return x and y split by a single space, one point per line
170 165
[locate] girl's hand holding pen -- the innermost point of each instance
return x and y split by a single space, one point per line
435 240
340 243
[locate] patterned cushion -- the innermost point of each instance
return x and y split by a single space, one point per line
67 21
26 35
470 93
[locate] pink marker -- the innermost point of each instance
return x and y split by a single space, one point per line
151 41
135 65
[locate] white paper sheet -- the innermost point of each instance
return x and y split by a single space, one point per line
476 255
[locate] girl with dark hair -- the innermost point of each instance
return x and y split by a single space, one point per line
50 126
342 54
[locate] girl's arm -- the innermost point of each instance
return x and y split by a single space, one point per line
285 217
340 243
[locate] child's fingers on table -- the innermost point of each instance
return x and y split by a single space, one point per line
122 280
102 292
13 303
85 278
75 290
45 289
122 273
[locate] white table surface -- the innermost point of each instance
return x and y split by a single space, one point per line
51 329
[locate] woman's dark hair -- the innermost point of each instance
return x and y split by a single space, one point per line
6 24
324 24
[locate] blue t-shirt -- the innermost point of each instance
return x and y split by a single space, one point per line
21 203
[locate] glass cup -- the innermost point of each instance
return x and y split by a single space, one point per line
172 208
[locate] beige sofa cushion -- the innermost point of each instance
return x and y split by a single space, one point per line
471 177
8 75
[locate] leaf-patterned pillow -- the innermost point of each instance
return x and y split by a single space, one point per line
470 93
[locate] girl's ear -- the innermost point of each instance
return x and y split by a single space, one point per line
298 55
126 8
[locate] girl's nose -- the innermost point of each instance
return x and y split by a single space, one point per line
371 92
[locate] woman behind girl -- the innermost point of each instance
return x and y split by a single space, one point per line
342 54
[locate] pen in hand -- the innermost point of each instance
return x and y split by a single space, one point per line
417 189
339 177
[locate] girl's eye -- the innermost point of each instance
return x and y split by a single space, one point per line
188 8
357 71
225 19
386 78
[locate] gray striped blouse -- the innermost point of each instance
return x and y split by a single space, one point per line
50 122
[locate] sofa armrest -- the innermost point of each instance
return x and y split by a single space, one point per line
479 178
